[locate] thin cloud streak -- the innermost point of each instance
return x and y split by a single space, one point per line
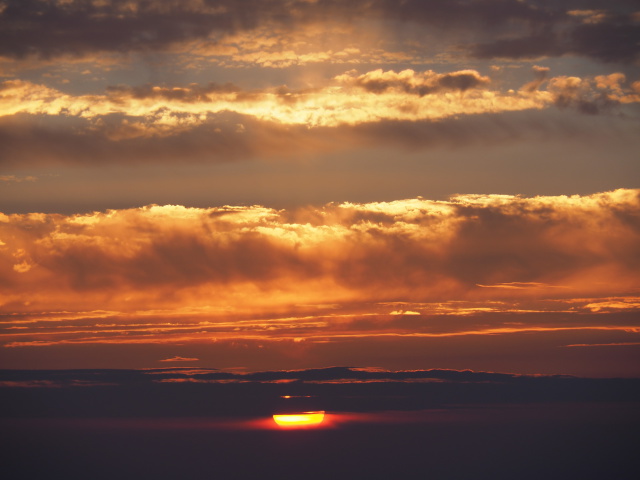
179 359
324 337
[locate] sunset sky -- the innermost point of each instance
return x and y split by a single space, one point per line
257 185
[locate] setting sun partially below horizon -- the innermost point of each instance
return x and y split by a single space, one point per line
304 419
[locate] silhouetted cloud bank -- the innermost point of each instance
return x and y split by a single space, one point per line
188 392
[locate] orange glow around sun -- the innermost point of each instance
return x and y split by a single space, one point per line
305 419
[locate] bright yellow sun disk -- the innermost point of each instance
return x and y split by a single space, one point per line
299 419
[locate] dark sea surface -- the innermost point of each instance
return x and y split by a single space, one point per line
473 425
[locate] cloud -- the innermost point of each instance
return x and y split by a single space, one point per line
612 41
591 95
421 84
517 285
17 179
29 140
40 124
338 389
529 47
75 27
612 304
607 35
172 274
370 97
161 111
179 359
47 29
619 344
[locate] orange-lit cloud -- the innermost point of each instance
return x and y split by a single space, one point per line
179 359
40 124
172 274
371 97
16 179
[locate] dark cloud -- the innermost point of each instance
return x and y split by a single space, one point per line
190 94
33 140
521 48
47 28
610 39
414 83
496 14
151 376
151 393
615 41
118 138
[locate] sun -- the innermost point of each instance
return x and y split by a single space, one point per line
304 419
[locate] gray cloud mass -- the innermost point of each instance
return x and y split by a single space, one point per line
48 28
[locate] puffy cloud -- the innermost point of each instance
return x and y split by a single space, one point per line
40 124
591 95
471 248
406 96
370 97
420 84
126 113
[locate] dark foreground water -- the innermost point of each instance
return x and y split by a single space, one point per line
551 441
206 424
